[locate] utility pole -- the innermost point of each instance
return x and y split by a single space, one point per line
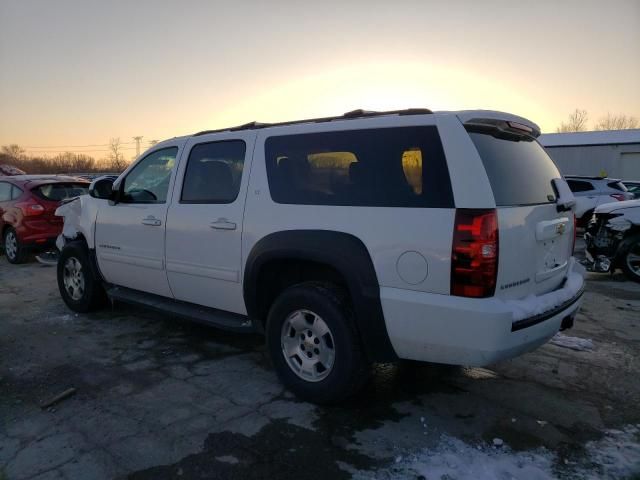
138 139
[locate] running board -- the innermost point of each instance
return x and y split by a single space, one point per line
206 315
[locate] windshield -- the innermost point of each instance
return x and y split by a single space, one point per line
519 169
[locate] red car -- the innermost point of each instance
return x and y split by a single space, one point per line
27 211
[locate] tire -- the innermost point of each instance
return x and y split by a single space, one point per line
630 258
79 288
14 252
316 319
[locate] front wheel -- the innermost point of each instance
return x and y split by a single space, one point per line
314 345
631 258
79 289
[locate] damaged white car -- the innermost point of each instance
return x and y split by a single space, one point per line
613 238
369 237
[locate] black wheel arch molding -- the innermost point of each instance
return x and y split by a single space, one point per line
342 252
91 253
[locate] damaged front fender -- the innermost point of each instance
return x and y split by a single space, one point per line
79 216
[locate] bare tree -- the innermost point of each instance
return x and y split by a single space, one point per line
577 122
69 162
116 157
13 151
617 122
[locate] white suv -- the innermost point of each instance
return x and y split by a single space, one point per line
593 191
442 237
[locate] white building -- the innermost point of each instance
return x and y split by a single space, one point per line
615 153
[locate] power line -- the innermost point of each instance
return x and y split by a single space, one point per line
76 146
75 151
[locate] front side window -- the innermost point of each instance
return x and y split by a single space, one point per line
148 181
214 172
382 167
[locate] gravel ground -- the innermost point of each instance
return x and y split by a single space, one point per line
158 398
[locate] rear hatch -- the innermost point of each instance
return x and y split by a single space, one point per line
535 239
51 195
622 193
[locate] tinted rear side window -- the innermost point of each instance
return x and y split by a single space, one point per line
384 167
519 170
61 191
580 186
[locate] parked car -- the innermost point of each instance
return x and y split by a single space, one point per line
613 238
441 237
633 186
27 206
593 191
10 170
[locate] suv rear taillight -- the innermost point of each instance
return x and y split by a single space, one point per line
619 196
474 255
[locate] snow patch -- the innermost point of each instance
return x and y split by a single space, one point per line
454 459
573 343
535 305
227 459
616 455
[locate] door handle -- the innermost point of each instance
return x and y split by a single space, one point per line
152 221
223 224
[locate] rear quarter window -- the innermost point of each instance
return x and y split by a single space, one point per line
61 191
5 191
519 170
383 167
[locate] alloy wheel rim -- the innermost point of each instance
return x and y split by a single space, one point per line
73 278
633 258
11 245
307 345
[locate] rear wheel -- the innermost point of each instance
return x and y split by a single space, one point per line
314 345
79 289
631 258
13 250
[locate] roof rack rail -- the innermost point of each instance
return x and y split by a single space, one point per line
359 113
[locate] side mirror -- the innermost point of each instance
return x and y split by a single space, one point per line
102 188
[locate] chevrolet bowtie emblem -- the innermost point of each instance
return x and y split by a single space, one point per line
560 228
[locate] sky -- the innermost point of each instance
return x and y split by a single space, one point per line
79 72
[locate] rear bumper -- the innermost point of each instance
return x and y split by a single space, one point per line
464 331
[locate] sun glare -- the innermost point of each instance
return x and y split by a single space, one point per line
380 86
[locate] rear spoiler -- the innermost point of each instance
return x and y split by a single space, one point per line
505 123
